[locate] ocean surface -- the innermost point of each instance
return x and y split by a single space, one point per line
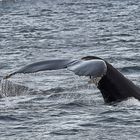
58 105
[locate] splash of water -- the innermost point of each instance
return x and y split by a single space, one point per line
95 80
8 88
130 102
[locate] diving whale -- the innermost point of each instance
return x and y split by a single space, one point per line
113 85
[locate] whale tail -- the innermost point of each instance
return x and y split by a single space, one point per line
112 84
93 68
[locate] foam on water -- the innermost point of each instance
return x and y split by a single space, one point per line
130 102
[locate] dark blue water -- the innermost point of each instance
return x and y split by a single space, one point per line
58 105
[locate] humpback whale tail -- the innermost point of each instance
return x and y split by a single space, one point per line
112 84
94 68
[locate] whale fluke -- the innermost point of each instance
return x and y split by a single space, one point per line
113 85
95 68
